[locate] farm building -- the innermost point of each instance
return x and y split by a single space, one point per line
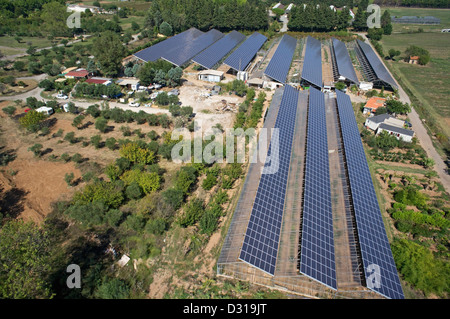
210 75
373 104
398 132
374 122
77 74
413 59
97 80
131 84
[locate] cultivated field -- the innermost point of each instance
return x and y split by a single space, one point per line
427 86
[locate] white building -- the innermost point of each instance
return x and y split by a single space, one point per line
210 75
81 8
398 132
385 122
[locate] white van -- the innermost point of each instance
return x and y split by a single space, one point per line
46 110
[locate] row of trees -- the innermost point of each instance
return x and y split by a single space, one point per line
205 15
318 18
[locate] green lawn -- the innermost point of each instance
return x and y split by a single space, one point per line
8 41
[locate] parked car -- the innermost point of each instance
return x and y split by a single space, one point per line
62 96
135 104
157 86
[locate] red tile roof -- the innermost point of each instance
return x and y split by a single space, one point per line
78 74
96 81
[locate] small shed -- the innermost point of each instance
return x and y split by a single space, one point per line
132 84
210 75
256 82
414 59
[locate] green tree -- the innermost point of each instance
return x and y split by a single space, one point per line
78 121
19 65
101 124
417 265
31 121
68 178
25 265
397 107
166 29
54 16
109 52
113 288
137 154
193 212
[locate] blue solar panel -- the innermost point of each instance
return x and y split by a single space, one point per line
343 61
375 249
378 67
280 63
242 56
260 245
312 63
155 52
212 55
317 258
182 55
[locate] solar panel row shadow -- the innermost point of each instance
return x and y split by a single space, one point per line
344 63
261 240
376 64
317 259
217 51
178 41
280 63
182 54
379 266
242 56
312 63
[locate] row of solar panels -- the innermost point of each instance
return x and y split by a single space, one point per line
206 48
379 266
260 245
317 257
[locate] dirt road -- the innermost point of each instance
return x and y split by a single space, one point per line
422 134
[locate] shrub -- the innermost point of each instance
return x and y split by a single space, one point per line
111 143
193 212
32 120
173 197
36 149
136 154
101 124
70 137
96 141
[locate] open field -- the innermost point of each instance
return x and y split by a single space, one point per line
427 86
443 14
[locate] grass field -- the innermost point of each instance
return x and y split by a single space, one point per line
428 86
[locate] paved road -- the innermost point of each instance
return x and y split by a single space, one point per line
285 21
422 134
79 103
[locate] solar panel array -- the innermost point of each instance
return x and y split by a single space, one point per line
280 63
317 258
312 63
260 245
344 63
379 266
242 56
376 64
176 42
181 55
217 51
